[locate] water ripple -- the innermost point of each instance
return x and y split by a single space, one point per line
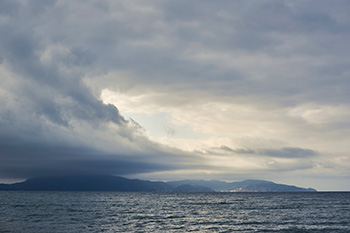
173 212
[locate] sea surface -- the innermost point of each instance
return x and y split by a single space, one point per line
25 211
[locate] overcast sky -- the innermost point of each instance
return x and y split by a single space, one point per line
167 90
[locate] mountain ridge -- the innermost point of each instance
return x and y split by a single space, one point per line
117 183
249 185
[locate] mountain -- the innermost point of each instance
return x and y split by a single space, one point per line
213 184
88 183
242 186
269 186
192 188
116 183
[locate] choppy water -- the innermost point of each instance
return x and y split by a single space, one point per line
173 212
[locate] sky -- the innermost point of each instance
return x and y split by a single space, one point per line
169 90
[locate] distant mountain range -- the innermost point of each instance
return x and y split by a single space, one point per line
116 183
242 186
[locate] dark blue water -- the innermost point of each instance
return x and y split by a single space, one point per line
173 212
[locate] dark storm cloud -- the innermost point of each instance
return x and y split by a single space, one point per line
20 159
47 83
45 105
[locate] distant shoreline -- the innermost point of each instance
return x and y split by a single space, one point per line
121 184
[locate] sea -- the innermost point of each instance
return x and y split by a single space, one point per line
34 211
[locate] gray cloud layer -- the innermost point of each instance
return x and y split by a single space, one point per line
57 56
285 152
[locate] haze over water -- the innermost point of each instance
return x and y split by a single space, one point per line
173 212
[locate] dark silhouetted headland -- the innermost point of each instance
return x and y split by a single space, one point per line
88 183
